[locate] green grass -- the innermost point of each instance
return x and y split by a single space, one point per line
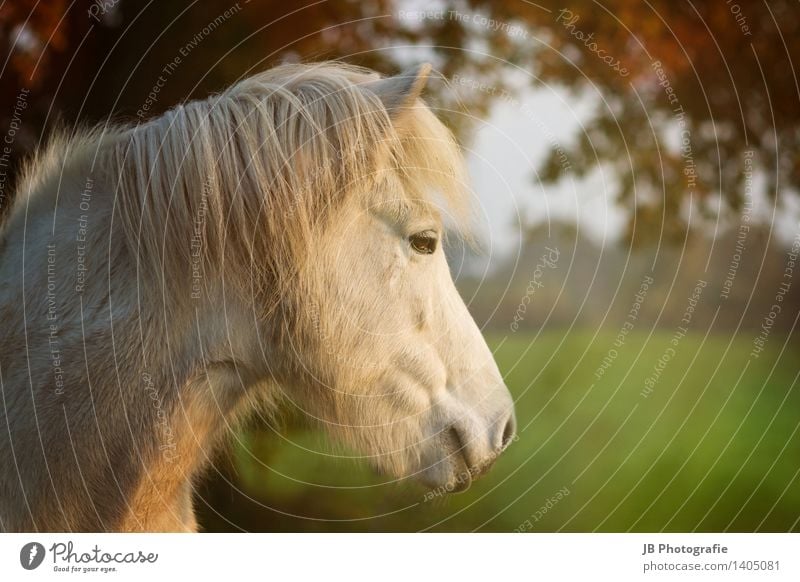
714 447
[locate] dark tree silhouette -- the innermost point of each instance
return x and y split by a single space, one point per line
689 89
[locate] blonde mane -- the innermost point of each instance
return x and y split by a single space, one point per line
113 339
243 179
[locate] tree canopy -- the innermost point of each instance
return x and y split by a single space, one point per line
692 95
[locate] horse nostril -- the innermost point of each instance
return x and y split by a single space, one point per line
509 431
456 441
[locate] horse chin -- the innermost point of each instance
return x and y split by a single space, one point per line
448 475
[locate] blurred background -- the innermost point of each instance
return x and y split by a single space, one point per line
636 170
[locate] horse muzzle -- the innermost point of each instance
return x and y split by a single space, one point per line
465 453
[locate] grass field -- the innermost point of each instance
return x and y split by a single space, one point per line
713 446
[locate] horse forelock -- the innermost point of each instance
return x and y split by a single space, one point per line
246 178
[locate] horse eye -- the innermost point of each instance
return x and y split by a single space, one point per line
423 242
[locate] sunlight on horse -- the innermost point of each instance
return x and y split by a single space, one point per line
276 245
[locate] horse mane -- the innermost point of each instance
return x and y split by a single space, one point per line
244 178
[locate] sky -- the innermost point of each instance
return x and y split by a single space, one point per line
502 157
514 140
508 145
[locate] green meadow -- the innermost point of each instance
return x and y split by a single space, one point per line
712 445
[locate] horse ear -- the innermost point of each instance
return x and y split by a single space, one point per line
401 91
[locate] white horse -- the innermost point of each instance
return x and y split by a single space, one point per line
274 245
